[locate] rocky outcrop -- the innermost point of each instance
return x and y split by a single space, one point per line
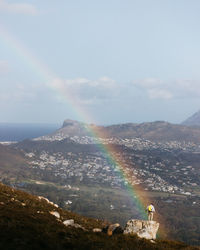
72 224
144 229
50 202
113 229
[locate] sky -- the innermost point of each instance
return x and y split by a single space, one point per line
103 62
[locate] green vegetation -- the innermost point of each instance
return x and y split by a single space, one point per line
25 223
178 216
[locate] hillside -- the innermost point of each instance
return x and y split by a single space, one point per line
12 163
14 166
77 174
158 131
27 222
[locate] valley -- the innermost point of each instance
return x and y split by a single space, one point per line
78 173
171 168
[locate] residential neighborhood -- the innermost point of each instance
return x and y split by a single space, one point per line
142 162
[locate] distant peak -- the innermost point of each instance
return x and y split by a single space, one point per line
193 120
69 122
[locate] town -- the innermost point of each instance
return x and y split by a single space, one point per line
155 166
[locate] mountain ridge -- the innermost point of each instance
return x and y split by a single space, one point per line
153 131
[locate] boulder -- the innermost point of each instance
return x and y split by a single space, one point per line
56 214
144 229
111 228
72 224
96 230
78 226
68 222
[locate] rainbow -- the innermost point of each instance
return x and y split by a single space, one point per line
56 85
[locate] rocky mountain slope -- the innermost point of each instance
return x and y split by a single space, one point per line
158 131
193 120
31 222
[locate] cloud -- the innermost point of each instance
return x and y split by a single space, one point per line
19 93
4 67
187 88
19 8
159 94
148 82
175 89
103 92
107 90
154 88
87 91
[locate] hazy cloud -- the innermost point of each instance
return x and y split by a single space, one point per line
148 83
4 67
18 93
103 91
159 94
187 88
160 89
154 88
20 8
87 91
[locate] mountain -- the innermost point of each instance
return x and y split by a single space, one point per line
158 131
193 120
32 222
72 128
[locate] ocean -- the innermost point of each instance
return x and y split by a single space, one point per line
22 131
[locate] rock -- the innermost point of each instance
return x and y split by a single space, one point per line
56 214
43 198
144 229
72 224
96 230
50 202
78 226
68 223
110 229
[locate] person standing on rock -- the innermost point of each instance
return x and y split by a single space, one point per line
150 210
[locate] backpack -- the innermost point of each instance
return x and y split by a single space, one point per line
150 208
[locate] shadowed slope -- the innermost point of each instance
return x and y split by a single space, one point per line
26 223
